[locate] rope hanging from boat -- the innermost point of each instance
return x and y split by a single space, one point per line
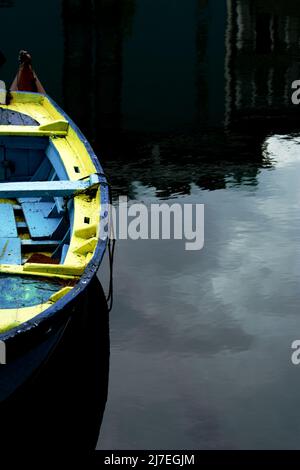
111 254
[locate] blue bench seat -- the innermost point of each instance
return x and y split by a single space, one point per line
40 225
8 227
10 251
10 244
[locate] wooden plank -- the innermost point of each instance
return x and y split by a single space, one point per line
2 169
42 172
38 225
46 188
28 199
8 228
60 205
59 125
21 142
45 207
21 225
30 131
55 159
64 253
64 241
9 117
40 243
10 251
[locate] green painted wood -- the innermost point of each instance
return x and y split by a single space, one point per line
19 291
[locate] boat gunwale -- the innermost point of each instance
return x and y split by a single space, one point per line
91 269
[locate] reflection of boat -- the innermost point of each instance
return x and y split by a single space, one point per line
61 405
52 198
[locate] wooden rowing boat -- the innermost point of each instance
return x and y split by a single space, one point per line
53 210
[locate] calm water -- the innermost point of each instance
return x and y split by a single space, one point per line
190 102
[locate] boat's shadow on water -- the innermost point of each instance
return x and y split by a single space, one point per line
61 406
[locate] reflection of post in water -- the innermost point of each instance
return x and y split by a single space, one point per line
78 80
94 31
211 22
61 406
108 65
6 3
262 48
201 63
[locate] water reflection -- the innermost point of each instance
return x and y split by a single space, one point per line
261 62
93 37
245 60
209 333
169 165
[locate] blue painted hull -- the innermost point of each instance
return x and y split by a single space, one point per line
60 405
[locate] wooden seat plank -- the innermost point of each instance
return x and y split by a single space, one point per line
8 227
39 226
10 251
48 188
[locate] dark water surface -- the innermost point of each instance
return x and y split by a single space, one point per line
190 102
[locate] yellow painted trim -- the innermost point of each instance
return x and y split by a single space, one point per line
32 131
84 237
58 295
55 126
12 317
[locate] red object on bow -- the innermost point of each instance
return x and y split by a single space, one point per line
26 78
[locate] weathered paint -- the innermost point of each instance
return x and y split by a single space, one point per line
83 255
20 291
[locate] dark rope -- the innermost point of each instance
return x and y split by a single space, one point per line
111 253
111 244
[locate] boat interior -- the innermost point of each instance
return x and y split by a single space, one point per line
50 205
32 229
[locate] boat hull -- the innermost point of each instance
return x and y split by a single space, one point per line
61 403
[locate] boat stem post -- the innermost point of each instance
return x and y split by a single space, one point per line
26 78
